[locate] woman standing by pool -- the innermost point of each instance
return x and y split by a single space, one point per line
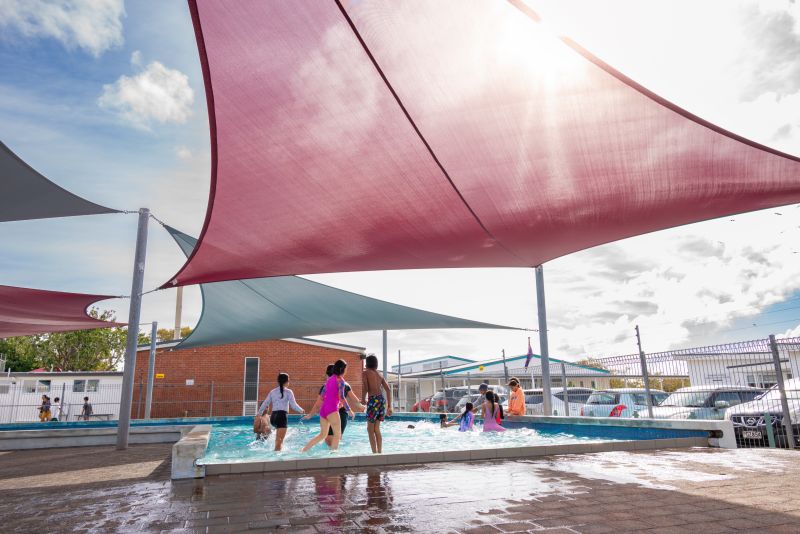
491 414
281 398
329 411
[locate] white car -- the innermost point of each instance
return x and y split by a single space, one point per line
749 419
701 402
576 398
620 402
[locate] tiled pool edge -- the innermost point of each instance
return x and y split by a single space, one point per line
391 459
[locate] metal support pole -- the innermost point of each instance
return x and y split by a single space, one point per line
385 356
151 371
419 391
399 383
645 375
787 420
211 401
543 345
505 367
564 383
133 331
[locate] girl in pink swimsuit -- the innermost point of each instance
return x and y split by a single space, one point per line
329 411
491 413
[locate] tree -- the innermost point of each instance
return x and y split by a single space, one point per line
164 334
19 353
100 349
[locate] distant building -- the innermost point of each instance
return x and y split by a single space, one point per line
233 379
409 388
431 364
21 394
753 369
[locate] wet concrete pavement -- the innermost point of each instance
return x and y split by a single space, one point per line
101 490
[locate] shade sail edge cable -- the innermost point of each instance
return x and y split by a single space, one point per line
633 84
416 128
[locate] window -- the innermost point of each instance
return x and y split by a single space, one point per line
79 386
731 397
251 379
92 386
36 386
748 396
603 397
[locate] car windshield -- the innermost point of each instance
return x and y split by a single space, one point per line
603 397
689 399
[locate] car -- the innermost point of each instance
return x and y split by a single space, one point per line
446 400
576 397
750 418
701 402
423 405
620 402
477 399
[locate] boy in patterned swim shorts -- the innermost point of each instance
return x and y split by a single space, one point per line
376 403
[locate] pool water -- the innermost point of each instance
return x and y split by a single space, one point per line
232 443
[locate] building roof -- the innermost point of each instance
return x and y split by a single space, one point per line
436 358
171 344
459 369
62 374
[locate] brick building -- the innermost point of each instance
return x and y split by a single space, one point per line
233 379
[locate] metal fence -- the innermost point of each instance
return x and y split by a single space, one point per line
20 401
755 384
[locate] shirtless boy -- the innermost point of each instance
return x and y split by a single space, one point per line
377 406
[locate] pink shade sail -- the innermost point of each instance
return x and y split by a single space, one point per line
397 135
26 311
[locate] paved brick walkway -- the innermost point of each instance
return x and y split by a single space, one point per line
700 491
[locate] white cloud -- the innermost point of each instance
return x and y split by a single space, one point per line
94 26
184 153
792 332
155 94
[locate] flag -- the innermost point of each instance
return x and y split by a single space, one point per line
530 354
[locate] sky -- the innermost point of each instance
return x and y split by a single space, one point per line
106 99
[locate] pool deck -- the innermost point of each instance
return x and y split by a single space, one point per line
658 492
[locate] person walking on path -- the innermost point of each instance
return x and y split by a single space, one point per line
86 411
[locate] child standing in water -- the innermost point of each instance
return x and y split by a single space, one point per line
464 421
281 398
376 403
329 410
491 414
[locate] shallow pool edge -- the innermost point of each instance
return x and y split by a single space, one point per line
396 459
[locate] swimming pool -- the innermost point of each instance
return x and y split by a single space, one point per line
235 442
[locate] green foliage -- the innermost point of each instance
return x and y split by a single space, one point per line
19 353
101 349
164 334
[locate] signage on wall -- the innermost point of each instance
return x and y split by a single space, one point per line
190 381
159 375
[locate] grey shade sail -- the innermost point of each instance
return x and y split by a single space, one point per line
290 306
26 194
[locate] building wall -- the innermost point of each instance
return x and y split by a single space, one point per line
217 373
739 370
19 404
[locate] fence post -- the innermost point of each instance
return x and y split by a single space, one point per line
645 375
787 420
151 371
564 383
211 402
139 403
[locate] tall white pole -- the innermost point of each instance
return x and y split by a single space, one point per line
133 331
543 346
178 311
151 371
385 357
